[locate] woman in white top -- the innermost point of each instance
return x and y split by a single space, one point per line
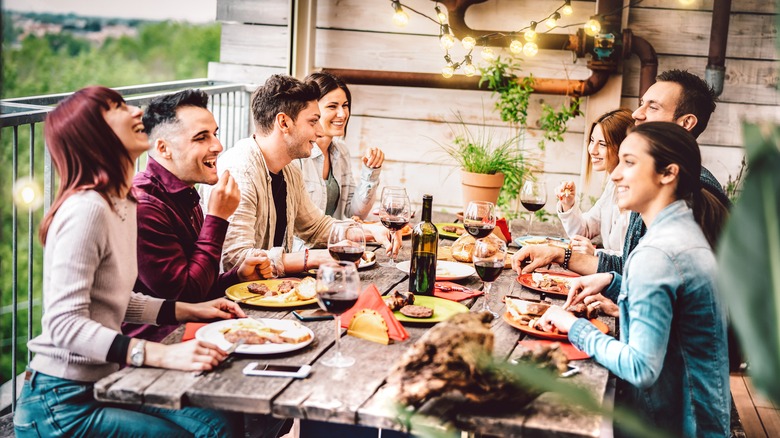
605 217
327 174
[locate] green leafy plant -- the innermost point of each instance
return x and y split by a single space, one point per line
553 122
513 95
734 184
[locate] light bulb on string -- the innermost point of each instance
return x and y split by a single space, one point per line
446 39
530 34
27 194
592 27
567 9
530 49
687 2
468 68
468 43
400 17
448 71
488 54
440 15
553 20
515 47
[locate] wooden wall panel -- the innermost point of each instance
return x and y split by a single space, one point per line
254 45
253 11
742 6
242 73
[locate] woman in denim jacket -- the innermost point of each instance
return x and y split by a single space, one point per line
672 353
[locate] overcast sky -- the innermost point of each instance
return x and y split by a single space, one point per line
181 10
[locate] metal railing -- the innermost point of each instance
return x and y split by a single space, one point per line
23 118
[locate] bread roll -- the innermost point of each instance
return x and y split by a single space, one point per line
463 248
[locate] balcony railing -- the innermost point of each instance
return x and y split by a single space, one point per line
22 120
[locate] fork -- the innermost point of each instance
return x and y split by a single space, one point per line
229 358
446 288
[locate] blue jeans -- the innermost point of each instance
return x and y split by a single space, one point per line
54 407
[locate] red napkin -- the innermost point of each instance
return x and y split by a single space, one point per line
454 295
371 299
504 227
569 350
189 330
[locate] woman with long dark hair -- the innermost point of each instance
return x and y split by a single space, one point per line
671 356
89 265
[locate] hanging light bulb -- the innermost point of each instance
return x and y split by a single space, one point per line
515 47
593 27
488 54
446 39
440 14
687 2
566 9
400 18
530 34
27 194
468 43
448 71
553 20
468 68
530 49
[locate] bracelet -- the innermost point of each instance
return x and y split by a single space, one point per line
566 258
305 259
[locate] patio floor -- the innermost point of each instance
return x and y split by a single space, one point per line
760 417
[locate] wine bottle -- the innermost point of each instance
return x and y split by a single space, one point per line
425 242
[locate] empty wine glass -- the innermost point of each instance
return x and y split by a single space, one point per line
479 218
338 288
489 258
394 212
533 196
346 241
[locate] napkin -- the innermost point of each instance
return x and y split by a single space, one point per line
569 350
440 291
189 330
502 230
371 299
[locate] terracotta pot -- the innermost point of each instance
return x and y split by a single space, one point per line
480 187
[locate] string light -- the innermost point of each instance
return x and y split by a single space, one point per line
400 18
516 47
567 9
553 20
593 27
530 34
488 54
687 2
446 39
468 68
27 194
469 43
440 15
530 49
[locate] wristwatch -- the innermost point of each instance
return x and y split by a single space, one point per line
138 354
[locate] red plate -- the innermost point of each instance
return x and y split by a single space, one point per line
547 335
525 280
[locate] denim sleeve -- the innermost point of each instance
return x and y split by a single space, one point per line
610 263
613 290
647 306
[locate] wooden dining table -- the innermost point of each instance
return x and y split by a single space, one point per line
360 390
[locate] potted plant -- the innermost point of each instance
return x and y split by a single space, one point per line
487 163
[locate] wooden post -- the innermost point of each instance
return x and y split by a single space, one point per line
302 26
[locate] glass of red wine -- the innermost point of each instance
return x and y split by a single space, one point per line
489 258
346 241
338 288
394 213
533 196
480 218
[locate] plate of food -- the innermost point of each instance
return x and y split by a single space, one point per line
445 271
261 336
367 260
425 309
524 314
450 230
542 240
549 283
281 292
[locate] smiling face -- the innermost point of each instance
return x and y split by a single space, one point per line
193 146
125 121
303 132
334 108
601 157
659 103
638 185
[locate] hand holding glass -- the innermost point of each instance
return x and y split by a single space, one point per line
394 214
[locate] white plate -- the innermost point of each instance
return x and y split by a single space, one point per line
445 271
213 333
365 264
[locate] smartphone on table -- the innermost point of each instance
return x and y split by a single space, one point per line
312 315
276 370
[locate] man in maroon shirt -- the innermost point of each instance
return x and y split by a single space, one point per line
179 249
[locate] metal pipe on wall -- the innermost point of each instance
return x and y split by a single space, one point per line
715 73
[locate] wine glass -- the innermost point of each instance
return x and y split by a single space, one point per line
479 218
533 196
489 257
346 241
394 212
338 287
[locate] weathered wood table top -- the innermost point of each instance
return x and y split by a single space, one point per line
360 388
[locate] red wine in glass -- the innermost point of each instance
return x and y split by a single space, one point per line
532 206
335 302
346 253
488 271
479 231
394 223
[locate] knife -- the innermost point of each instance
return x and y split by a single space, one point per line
228 359
445 288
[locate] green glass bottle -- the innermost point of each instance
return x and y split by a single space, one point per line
425 242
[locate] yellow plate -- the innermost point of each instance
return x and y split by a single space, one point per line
239 292
448 234
442 310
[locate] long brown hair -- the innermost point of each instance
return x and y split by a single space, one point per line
86 152
671 144
614 125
